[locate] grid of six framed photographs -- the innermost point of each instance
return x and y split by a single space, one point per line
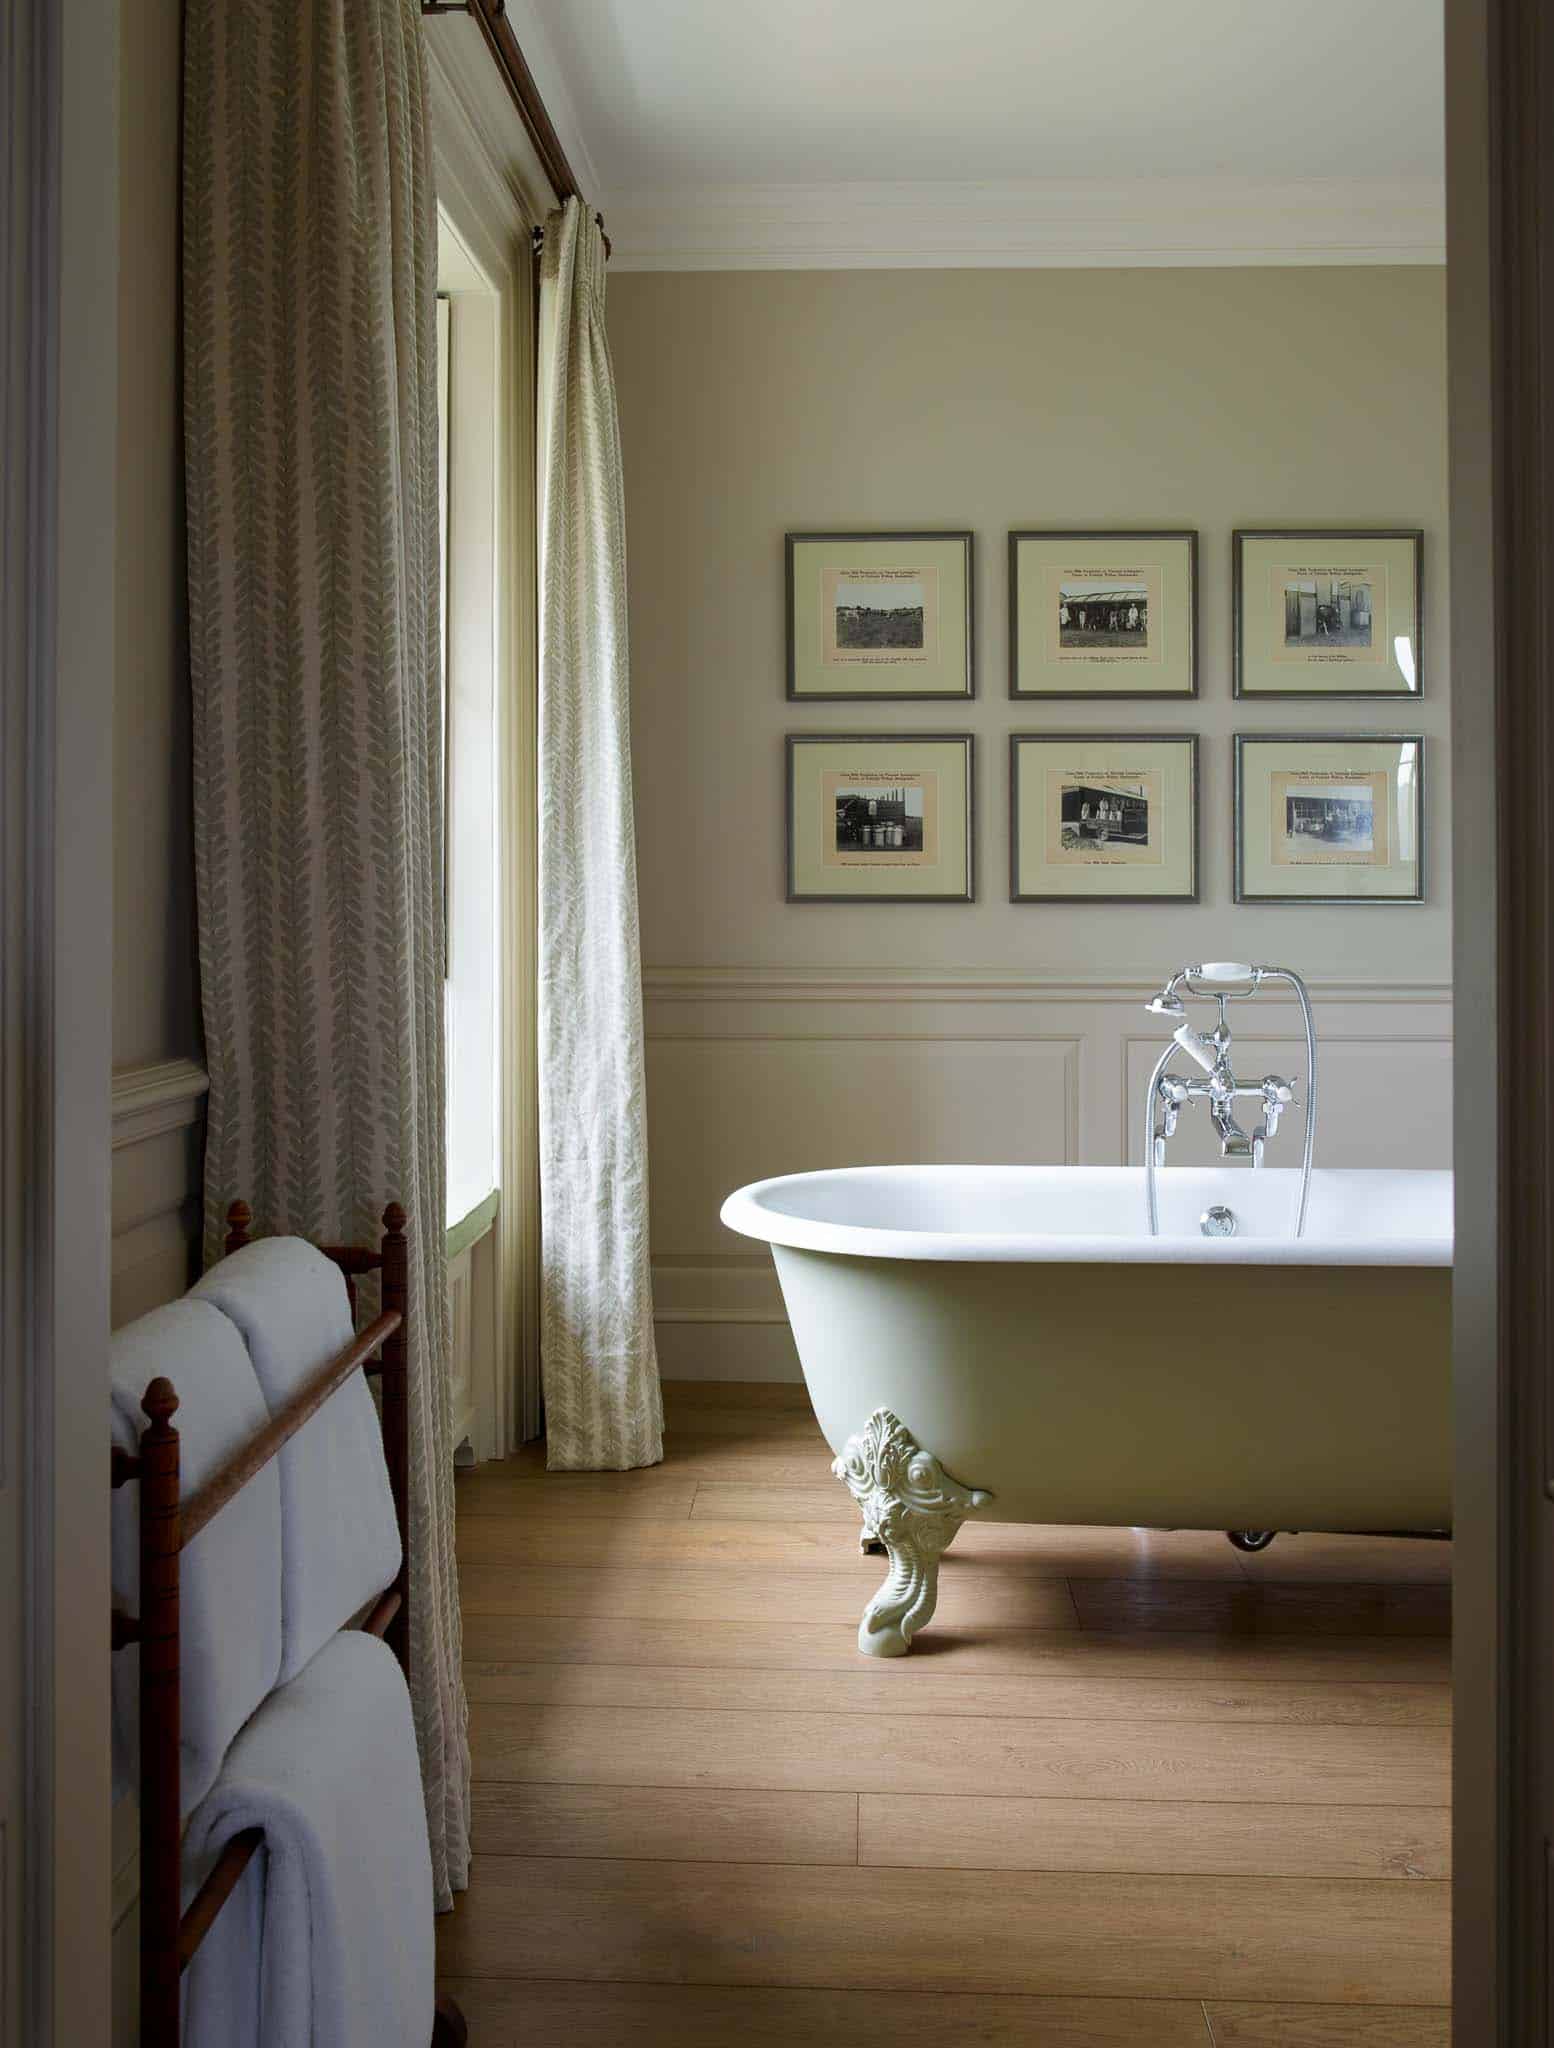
1105 817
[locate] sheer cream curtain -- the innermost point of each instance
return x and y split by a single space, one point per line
309 283
602 1405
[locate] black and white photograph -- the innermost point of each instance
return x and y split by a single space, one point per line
874 821
1093 616
1344 818
878 612
1100 814
1327 611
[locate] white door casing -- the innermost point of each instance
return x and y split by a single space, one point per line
58 379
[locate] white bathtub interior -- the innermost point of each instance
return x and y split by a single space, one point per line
1097 1214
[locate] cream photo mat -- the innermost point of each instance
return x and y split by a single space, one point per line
1272 866
1160 768
1267 564
817 565
1163 564
938 764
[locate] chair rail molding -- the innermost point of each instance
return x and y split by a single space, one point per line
163 1095
905 984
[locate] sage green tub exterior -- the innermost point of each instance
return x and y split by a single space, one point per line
1079 1373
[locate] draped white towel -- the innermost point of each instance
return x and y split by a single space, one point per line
602 1405
339 1539
229 1590
327 1941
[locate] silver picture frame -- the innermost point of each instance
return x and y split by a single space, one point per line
793 744
1330 899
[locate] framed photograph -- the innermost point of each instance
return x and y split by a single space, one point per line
880 817
1330 819
1103 817
879 615
1103 614
1333 612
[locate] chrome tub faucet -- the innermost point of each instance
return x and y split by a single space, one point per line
1222 982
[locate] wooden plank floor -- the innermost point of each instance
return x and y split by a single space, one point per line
1130 1790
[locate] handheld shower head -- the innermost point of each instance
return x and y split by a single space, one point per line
1166 1004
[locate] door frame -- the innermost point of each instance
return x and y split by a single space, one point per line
1500 296
58 394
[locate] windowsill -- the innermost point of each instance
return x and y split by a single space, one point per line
474 1224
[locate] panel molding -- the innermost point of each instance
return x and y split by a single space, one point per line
164 1095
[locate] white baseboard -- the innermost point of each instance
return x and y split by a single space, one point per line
727 1351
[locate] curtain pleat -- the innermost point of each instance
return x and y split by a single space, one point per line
603 1409
309 282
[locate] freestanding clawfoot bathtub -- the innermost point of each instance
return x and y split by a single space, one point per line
1011 1342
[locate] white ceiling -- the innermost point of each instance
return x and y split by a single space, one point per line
734 112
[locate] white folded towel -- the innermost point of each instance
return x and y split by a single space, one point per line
339 1539
229 1584
327 1941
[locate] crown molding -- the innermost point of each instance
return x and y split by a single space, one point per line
1072 224
990 985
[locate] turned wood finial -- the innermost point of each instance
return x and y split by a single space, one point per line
394 1220
159 1404
239 1221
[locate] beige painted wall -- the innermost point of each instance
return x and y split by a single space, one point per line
786 1036
754 402
156 1034
154 987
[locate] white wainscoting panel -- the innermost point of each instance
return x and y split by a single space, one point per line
1379 1101
158 1111
759 1072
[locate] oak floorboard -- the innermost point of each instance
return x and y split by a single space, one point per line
1026 1789
495 1642
563 1498
1269 1940
906 1754
788 1546
1329 2026
936 1687
781 1459
1246 1839
791 1426
1346 1560
1272 1608
1306 1558
664 1823
772 1396
506 2014
837 1592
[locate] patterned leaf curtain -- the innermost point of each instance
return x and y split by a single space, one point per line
309 281
602 1405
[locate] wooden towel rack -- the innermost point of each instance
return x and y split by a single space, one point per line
169 1521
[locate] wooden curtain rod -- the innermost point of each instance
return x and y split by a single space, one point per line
524 93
